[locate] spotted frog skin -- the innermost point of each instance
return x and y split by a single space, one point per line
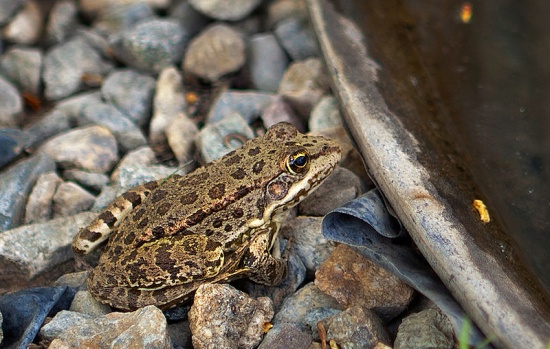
218 223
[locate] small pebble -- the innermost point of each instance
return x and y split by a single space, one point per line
117 18
325 115
428 328
70 199
90 180
280 111
11 103
84 303
225 10
62 21
286 336
216 51
12 144
27 25
92 7
181 134
22 65
39 204
279 10
297 38
267 62
248 104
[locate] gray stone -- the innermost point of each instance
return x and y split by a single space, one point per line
62 21
84 303
267 62
297 38
66 64
339 188
180 334
225 10
192 20
23 66
280 111
279 10
11 103
92 180
114 19
70 199
74 106
286 336
152 45
223 317
92 8
13 142
325 115
181 135
90 148
303 84
16 183
143 328
51 124
248 104
219 138
316 315
30 250
169 104
39 205
27 25
8 9
426 329
217 51
75 280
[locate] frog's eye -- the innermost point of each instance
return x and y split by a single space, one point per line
298 162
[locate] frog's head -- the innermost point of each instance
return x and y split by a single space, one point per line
300 163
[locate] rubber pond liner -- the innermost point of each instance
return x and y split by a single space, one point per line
430 196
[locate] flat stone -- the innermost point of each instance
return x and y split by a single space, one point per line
267 62
31 250
62 21
70 199
353 279
39 205
426 329
249 104
131 93
65 65
216 51
151 45
297 38
16 184
27 25
22 66
11 103
225 10
91 148
143 328
223 317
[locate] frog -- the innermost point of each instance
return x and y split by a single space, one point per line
219 223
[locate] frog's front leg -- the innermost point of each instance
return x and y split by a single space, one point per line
89 238
264 267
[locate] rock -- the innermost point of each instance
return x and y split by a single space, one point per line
16 183
39 205
8 9
219 138
114 19
91 148
12 144
62 21
279 10
27 25
180 334
280 111
11 103
352 279
65 66
128 135
217 51
51 124
296 307
356 327
92 7
91 180
74 106
131 93
297 38
74 280
308 241
30 250
84 303
303 84
248 104
267 62
181 134
225 10
325 115
70 199
340 187
426 329
286 336
151 45
319 314
169 103
22 66
1 332
143 328
25 311
223 317
192 20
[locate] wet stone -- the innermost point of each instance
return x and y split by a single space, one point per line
90 148
325 114
151 45
216 51
353 279
26 26
22 66
62 21
223 317
11 103
143 328
267 62
248 104
66 64
130 92
225 10
297 38
39 205
70 199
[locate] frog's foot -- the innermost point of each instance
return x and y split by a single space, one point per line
263 267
